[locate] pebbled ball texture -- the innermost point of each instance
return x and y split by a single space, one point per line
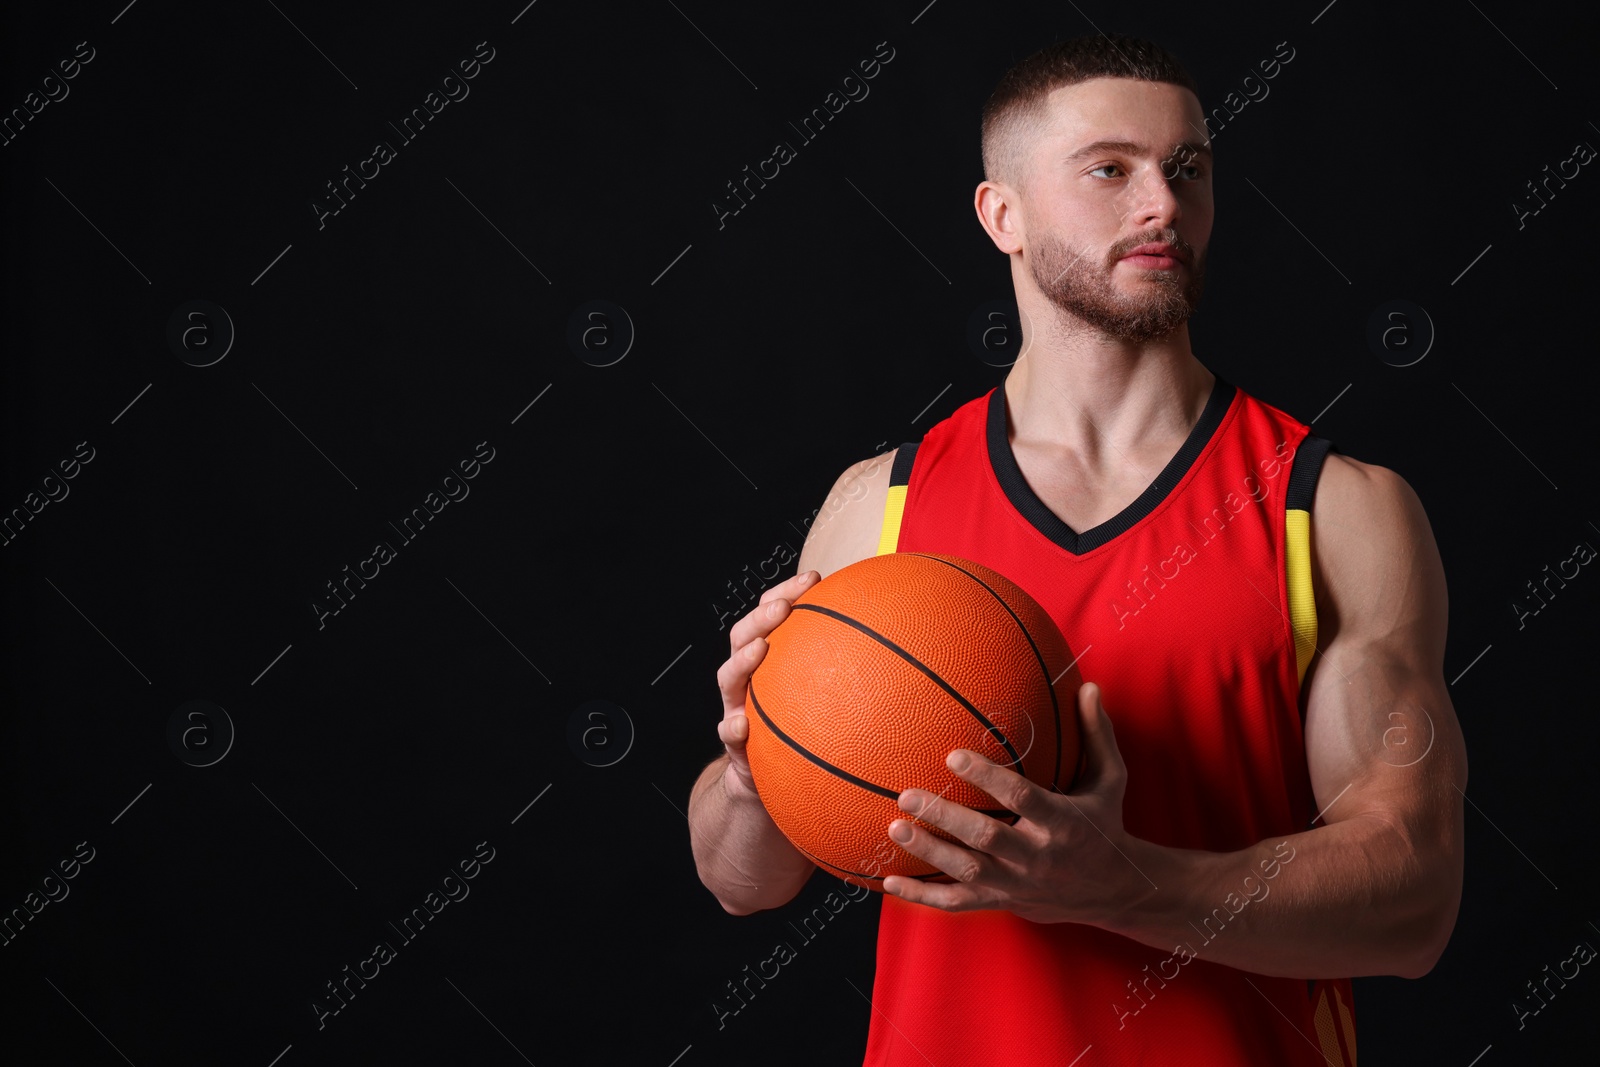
882 669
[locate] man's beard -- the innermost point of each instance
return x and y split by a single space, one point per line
1075 283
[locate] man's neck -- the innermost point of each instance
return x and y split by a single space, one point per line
1101 399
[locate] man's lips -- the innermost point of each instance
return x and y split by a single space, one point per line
1155 256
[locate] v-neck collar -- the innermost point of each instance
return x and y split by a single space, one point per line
1047 522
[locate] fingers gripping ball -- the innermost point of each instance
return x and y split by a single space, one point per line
882 669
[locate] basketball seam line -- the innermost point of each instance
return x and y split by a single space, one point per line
995 731
820 862
840 772
1055 706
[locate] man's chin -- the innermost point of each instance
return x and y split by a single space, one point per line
1130 324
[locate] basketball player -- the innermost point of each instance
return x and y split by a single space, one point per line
1279 806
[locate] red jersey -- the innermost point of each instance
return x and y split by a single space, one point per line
1192 608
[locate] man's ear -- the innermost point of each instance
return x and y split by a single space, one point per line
998 206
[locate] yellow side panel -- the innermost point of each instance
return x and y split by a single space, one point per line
1325 1035
1302 608
1349 1027
893 508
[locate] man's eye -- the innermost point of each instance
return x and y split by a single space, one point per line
1107 166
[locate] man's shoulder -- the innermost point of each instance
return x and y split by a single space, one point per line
847 526
1371 538
1350 491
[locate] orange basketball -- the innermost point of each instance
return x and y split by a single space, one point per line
882 669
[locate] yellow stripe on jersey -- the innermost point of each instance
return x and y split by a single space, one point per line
1348 1024
893 508
1302 608
1328 1001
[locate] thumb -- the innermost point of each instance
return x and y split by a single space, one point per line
1102 760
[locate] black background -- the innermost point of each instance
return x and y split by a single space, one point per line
825 320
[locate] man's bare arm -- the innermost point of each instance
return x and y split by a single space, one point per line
742 856
1376 888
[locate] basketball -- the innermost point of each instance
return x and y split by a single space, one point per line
881 670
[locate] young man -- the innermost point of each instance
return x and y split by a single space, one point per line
1279 807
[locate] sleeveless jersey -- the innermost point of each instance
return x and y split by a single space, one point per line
1192 608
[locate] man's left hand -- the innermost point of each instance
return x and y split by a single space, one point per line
1065 859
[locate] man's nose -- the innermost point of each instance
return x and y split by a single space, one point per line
1152 200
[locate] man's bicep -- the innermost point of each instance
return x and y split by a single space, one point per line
1381 734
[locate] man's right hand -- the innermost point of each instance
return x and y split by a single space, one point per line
747 643
740 854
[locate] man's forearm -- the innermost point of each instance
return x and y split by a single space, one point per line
1348 899
742 856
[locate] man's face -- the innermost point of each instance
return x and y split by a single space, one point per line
1088 205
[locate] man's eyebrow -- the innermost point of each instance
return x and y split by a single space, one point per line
1189 148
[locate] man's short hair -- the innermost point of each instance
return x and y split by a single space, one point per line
1015 113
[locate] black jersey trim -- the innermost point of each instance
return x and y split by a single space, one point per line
1306 468
904 456
1047 522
